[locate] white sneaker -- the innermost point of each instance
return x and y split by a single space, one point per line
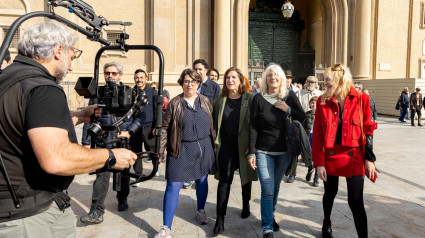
201 216
158 172
187 184
165 232
136 185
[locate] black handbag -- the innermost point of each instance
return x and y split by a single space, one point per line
397 106
292 136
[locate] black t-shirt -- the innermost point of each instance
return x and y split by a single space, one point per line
230 119
46 107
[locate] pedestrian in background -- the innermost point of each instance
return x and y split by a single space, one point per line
338 144
308 127
404 104
268 153
257 87
372 106
231 121
188 134
213 74
416 105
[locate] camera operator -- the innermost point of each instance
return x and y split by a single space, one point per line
38 143
112 72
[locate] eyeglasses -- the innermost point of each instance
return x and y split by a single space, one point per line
111 73
77 53
191 82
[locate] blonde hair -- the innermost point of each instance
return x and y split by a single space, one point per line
283 92
343 81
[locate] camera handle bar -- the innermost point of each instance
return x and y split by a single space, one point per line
9 184
160 99
76 6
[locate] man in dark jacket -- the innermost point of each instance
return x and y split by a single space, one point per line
404 104
141 128
374 115
416 105
208 88
113 72
38 144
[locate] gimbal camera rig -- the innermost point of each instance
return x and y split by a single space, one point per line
88 87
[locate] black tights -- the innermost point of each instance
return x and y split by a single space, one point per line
355 186
228 159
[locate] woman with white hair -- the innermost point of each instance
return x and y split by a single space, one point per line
267 145
342 144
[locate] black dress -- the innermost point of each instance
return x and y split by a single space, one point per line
196 157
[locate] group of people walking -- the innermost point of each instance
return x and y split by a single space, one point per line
239 130
414 103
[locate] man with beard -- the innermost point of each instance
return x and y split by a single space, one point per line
309 92
141 128
38 144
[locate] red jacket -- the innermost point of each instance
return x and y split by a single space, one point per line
326 124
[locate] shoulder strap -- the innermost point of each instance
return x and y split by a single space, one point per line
360 102
8 80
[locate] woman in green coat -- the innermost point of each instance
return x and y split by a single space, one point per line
231 121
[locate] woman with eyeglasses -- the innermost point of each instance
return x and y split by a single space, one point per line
231 121
188 134
342 144
268 153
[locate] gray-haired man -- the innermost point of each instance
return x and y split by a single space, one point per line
38 143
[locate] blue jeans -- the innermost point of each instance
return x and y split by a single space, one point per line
270 170
403 113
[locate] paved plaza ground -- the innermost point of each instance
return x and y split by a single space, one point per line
395 204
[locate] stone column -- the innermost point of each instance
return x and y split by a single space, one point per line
222 35
362 40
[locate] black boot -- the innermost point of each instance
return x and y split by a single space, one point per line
122 204
245 210
219 225
327 229
275 225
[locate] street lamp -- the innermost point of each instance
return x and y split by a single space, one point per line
287 9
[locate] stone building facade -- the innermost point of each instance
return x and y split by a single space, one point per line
377 39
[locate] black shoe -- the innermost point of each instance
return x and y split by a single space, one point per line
309 174
122 204
92 218
316 181
291 179
268 235
275 225
327 229
219 225
412 124
245 211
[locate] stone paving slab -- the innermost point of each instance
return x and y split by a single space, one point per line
395 204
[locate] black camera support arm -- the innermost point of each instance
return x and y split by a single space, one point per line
92 34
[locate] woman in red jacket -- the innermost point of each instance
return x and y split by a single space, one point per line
338 148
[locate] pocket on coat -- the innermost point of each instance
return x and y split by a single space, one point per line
356 129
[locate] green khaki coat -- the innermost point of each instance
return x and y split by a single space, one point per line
246 172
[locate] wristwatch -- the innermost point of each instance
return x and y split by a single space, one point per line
110 163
